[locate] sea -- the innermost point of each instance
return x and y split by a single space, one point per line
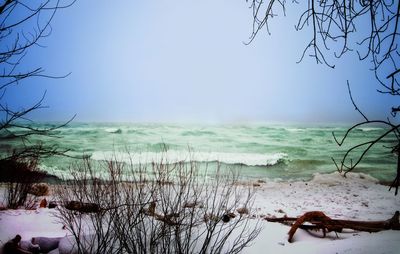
281 152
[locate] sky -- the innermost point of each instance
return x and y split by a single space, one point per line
186 61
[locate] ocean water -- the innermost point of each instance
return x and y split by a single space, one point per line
281 152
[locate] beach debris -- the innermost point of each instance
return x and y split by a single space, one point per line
192 205
46 244
232 215
243 210
319 221
82 207
30 246
39 189
210 217
152 208
227 217
52 204
13 246
169 219
43 203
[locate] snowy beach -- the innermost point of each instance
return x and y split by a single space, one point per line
357 197
289 167
201 127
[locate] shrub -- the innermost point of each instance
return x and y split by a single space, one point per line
157 208
39 189
19 175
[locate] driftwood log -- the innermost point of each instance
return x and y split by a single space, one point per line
82 207
319 221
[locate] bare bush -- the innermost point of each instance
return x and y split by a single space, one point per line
24 25
157 208
39 189
19 176
92 232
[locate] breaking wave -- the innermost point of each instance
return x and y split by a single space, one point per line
113 130
174 156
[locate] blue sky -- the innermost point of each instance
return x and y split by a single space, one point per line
185 61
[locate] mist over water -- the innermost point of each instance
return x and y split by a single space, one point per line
258 151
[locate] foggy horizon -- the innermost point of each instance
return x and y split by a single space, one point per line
188 62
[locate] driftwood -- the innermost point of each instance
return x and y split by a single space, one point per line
82 207
167 218
319 220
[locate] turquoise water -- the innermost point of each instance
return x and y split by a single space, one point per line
259 151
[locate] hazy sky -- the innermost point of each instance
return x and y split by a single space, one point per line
179 60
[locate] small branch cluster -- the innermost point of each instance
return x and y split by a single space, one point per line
19 176
23 25
391 130
340 26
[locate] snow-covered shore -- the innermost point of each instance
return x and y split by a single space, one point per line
357 197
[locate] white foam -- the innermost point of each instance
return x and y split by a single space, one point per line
113 130
294 129
173 156
370 129
336 178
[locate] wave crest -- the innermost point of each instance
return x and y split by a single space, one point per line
113 130
174 156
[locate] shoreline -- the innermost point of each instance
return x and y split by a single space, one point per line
357 197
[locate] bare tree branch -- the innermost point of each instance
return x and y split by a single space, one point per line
23 25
